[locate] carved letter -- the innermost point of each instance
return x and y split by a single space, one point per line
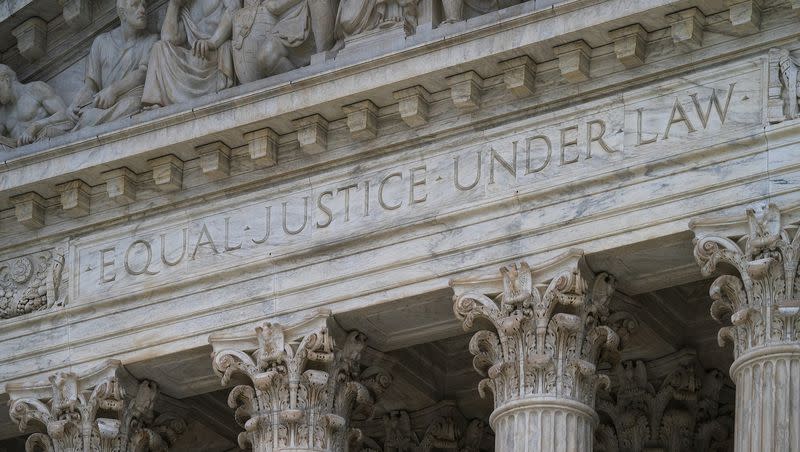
107 263
305 218
565 144
722 112
325 209
164 249
412 198
228 247
210 241
366 198
678 108
544 164
639 140
456 178
144 269
346 191
267 217
510 167
591 138
380 192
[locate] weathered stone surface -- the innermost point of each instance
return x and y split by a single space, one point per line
262 145
413 104
31 38
218 219
121 185
574 60
630 44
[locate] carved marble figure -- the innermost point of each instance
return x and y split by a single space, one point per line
275 36
784 95
193 57
360 16
29 111
115 69
458 10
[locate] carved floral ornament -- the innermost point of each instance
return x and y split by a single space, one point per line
93 412
683 410
303 389
551 328
760 285
439 427
30 283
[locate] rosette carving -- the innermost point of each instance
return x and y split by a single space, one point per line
301 394
759 287
101 418
547 337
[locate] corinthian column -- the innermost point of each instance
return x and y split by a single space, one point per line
540 357
72 410
757 293
302 388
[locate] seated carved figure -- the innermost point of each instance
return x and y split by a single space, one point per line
115 69
359 16
193 57
458 10
275 36
29 111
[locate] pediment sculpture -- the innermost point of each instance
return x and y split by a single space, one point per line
115 70
29 111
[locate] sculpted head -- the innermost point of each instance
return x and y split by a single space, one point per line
133 13
7 79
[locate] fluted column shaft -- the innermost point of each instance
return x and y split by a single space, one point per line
546 424
760 301
768 399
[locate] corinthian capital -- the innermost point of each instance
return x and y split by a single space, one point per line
303 389
760 276
71 410
549 330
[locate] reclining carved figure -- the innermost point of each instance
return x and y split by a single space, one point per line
29 111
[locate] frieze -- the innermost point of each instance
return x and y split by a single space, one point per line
533 157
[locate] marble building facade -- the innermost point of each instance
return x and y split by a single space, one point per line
400 225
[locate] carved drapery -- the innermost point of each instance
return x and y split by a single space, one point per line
758 295
541 359
681 411
30 283
92 413
782 94
301 394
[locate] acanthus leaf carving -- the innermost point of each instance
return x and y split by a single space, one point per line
302 393
73 415
684 412
759 295
548 336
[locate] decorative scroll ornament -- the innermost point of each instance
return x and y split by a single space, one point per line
681 413
74 417
30 283
548 337
761 295
302 394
